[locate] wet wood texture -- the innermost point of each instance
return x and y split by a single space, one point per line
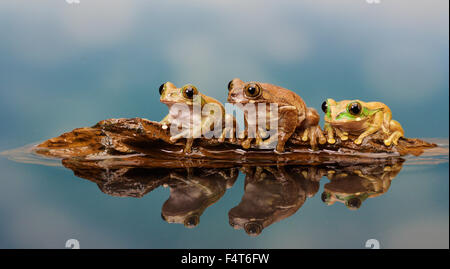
140 142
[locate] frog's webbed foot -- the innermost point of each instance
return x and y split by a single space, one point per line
329 130
242 134
246 143
393 138
248 138
342 135
228 133
314 134
189 140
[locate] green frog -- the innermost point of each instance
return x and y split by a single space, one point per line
292 113
360 118
211 109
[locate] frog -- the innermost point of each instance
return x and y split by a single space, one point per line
190 95
193 190
354 185
292 113
271 194
360 118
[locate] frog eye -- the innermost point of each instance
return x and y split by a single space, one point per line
161 88
230 85
191 221
353 203
253 228
189 91
325 197
354 108
252 90
324 106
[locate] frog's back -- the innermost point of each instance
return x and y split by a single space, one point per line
283 95
378 105
209 100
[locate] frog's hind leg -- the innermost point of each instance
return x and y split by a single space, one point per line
373 128
287 123
387 119
397 132
314 133
312 130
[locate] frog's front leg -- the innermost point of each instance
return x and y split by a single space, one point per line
250 136
182 134
373 128
229 132
244 135
189 139
190 134
330 133
342 135
188 146
330 130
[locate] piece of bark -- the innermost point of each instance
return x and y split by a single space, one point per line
149 142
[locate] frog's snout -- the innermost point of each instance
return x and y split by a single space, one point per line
232 97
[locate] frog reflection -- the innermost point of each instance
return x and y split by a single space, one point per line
193 191
272 194
353 185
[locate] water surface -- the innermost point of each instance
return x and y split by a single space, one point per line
403 203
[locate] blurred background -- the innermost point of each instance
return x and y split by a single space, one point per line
65 65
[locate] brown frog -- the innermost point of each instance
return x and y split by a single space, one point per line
292 113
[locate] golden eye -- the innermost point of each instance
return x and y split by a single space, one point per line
252 90
354 108
189 91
